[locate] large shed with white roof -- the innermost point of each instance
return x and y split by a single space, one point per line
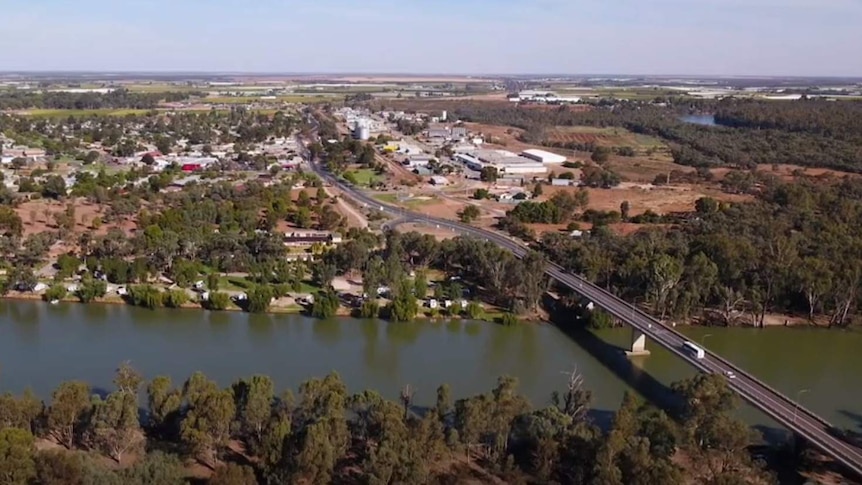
543 156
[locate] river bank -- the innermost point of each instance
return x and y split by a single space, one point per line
489 316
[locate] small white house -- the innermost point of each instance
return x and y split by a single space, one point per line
433 304
39 287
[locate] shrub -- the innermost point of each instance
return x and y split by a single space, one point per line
146 296
369 309
259 299
325 304
509 319
217 301
91 289
175 298
55 292
474 310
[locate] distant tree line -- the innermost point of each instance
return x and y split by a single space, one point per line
117 99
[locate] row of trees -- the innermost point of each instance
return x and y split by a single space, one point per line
793 250
324 434
118 98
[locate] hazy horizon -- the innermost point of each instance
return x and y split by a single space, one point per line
713 38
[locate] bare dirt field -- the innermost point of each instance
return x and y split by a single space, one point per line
643 169
440 234
505 137
661 200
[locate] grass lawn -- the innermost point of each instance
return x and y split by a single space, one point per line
406 203
279 99
233 283
365 176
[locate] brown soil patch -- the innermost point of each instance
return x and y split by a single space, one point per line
661 200
438 233
443 208
644 169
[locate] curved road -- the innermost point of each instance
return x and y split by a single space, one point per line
760 395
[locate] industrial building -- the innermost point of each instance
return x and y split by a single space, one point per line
543 156
506 162
414 161
543 97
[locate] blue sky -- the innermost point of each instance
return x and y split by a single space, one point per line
707 37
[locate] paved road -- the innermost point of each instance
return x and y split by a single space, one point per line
760 395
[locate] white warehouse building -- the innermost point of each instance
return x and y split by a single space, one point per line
508 163
543 156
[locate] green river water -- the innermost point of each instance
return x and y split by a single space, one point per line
42 345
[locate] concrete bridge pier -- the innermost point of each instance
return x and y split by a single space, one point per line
638 344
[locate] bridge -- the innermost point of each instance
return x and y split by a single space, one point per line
771 402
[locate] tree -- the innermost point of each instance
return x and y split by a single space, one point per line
17 449
55 293
254 402
114 427
420 284
625 208
218 301
163 405
488 174
469 213
323 273
325 304
54 187
259 299
148 159
90 289
600 154
146 296
403 307
91 157
19 412
175 298
537 190
213 282
205 429
69 403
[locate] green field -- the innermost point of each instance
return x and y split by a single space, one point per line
319 98
55 113
365 176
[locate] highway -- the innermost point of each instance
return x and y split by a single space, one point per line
782 409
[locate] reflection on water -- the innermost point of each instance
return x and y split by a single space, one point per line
42 345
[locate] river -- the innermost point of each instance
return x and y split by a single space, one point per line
704 120
42 345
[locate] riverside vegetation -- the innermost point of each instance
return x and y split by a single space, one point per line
248 433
